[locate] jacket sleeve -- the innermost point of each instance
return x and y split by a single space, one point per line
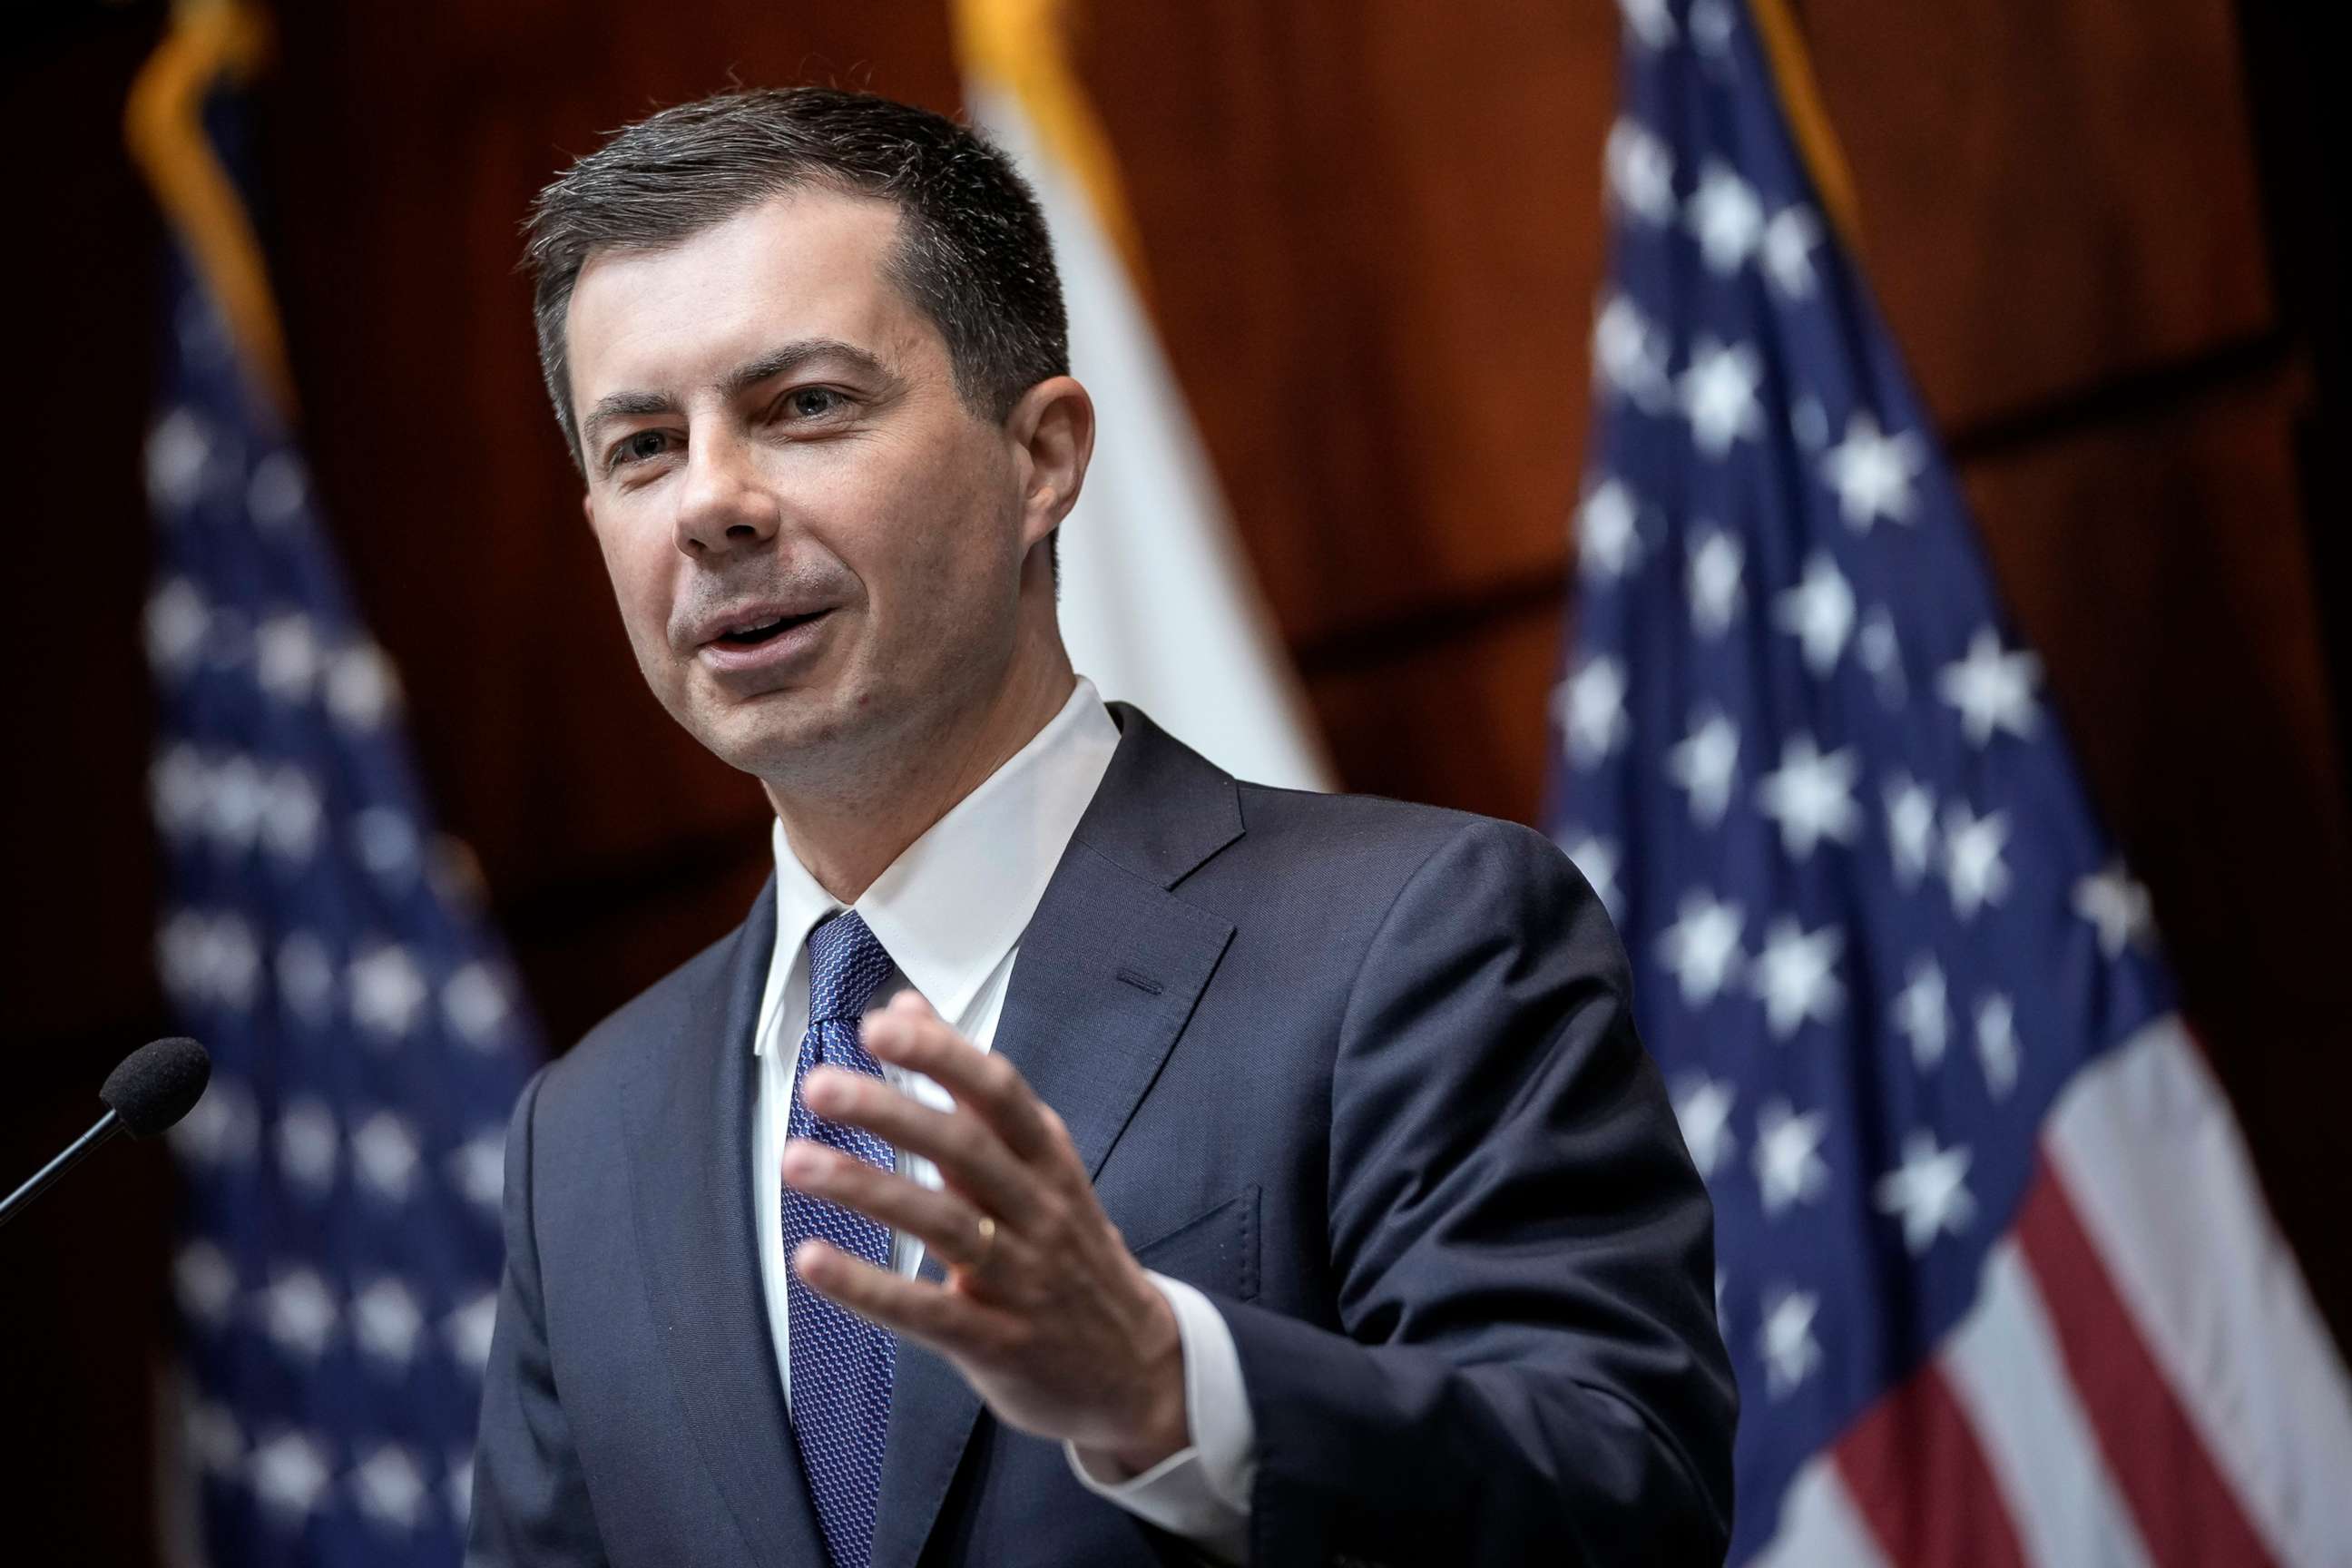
530 1496
1528 1368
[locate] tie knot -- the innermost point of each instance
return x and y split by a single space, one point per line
847 966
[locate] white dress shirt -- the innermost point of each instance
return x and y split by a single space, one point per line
950 911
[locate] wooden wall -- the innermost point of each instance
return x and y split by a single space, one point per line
1374 237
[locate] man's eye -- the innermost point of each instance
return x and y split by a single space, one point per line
813 402
636 447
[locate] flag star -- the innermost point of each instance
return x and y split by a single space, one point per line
1922 1014
1788 251
308 1145
1629 354
1608 540
205 1280
383 1153
475 1005
1725 217
1711 26
214 1437
177 622
469 1331
461 1483
1809 422
362 688
1703 1107
387 991
179 788
386 842
238 798
1590 707
179 449
1640 169
1819 612
1795 976
299 1312
2110 900
1929 1191
1789 1164
1992 689
1789 1351
389 1488
1650 21
1717 393
478 1167
1910 829
285 655
306 976
387 1321
223 1128
1811 795
1596 859
1703 763
279 487
1882 656
1717 589
1972 863
1997 1049
290 809
1702 947
289 1473
1872 473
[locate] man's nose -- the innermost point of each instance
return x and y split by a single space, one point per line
723 507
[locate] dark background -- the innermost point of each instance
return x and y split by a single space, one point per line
2101 228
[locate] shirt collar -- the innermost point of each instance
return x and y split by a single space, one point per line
956 900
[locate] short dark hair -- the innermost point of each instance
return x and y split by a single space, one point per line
973 253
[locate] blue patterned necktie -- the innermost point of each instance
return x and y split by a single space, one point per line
841 1364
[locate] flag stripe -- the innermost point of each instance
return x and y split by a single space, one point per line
1819 1525
2004 1367
2156 1175
2188 1510
1920 1481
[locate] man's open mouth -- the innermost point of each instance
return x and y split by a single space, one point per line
753 633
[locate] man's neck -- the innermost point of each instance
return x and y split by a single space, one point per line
846 840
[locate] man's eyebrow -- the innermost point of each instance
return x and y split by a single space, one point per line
792 356
621 405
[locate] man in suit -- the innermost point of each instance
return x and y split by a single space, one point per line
1077 1156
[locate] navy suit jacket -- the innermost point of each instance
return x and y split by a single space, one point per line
1362 1071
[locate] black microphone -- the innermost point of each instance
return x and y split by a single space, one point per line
154 1087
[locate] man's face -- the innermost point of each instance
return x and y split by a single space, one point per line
816 544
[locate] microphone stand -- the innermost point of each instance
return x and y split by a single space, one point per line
108 1126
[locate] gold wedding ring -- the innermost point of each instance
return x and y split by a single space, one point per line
987 1242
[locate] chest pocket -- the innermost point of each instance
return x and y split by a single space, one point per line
1216 1252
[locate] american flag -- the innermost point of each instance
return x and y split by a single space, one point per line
338 1261
1996 1278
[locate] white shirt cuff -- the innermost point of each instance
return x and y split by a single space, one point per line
1201 1492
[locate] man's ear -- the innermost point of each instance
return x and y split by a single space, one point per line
1052 430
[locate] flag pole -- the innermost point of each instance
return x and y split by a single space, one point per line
1809 122
209 41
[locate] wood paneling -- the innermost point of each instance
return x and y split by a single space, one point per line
1374 246
2053 192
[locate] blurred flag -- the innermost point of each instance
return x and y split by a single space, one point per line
1157 606
337 1265
1995 1273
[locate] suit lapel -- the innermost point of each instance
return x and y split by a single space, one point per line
697 1238
1110 968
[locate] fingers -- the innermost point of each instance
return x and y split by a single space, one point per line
951 1322
908 1034
946 1224
966 1149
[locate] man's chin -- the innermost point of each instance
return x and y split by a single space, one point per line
775 734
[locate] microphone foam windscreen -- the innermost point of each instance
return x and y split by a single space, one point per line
157 1084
